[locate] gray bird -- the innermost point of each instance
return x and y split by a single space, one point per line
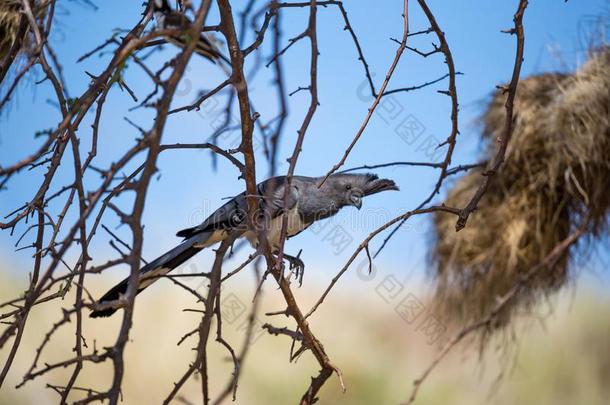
305 204
168 18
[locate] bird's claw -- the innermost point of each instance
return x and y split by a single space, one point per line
297 266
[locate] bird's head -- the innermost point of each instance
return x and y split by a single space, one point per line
349 189
161 5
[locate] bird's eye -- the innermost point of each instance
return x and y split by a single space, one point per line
348 187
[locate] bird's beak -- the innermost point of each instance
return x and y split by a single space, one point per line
379 185
358 204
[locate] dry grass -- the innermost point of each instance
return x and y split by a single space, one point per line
10 20
9 25
378 352
556 177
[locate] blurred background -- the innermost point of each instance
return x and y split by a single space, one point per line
561 356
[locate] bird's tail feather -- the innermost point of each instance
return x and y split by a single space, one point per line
210 51
154 270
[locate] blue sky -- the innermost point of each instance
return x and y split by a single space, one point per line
188 189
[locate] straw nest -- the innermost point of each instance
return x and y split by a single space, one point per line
10 17
14 28
556 177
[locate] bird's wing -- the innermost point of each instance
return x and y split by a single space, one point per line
273 191
168 18
175 19
233 215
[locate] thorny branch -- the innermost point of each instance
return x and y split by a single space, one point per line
558 251
511 91
399 51
67 231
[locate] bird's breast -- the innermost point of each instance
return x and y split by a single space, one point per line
273 229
